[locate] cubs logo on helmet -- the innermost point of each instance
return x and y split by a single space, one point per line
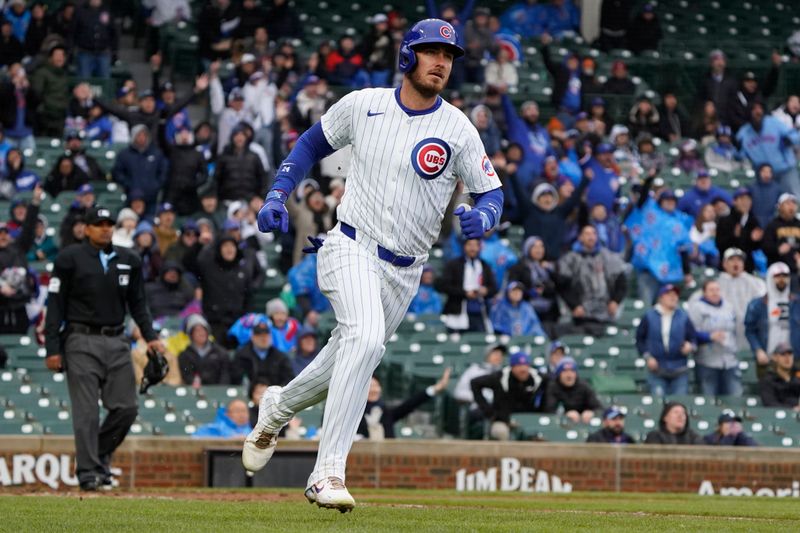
430 157
446 32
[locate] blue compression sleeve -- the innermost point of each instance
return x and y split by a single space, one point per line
311 147
490 203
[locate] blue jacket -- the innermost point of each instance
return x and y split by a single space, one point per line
740 439
515 320
303 280
772 145
426 302
756 324
524 19
694 199
499 256
223 427
765 199
604 187
648 339
535 141
461 18
146 171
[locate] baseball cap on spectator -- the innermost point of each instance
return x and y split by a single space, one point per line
787 197
235 94
276 305
96 215
598 101
666 195
190 225
568 363
613 412
136 194
783 348
515 285
749 76
167 86
306 332
146 94
4 227
123 91
164 208
733 252
86 188
583 115
248 58
558 345
380 17
741 191
728 416
261 328
255 76
723 130
311 80
703 173
605 148
519 358
484 11
231 225
669 287
779 269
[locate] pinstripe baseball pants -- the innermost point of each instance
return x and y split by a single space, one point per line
370 298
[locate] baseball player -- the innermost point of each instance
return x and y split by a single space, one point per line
409 147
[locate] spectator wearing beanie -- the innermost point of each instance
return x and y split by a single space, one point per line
538 279
513 316
517 388
285 329
203 360
126 226
567 391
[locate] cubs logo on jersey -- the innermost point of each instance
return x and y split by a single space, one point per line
487 167
430 157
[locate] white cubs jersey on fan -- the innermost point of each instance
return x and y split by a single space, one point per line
404 166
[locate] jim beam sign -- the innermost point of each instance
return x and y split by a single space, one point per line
510 477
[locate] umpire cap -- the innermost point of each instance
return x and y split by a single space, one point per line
99 214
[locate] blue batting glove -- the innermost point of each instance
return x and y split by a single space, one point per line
316 244
474 223
273 214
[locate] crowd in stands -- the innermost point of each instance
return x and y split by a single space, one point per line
592 195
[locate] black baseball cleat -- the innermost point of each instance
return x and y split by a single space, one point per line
90 485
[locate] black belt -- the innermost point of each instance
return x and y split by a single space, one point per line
401 261
108 331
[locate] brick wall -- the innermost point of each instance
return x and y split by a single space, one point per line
180 462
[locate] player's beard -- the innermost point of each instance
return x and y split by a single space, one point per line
423 87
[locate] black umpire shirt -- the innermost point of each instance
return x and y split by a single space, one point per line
81 292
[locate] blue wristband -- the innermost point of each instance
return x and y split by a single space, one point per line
275 194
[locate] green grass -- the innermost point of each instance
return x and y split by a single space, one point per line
377 511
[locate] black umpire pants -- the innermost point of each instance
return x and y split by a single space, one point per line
99 367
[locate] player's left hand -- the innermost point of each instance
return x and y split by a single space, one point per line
316 244
472 222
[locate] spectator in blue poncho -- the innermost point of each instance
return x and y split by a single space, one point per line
499 256
231 422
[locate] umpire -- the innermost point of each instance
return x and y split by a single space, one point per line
93 282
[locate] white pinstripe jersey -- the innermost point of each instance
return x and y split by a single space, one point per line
404 166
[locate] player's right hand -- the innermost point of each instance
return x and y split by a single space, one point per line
273 214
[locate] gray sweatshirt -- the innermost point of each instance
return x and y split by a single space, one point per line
708 318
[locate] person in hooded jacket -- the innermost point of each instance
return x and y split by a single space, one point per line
379 419
65 176
568 391
259 359
188 172
13 252
171 293
185 251
765 192
766 323
44 247
513 316
673 427
740 228
644 31
239 173
545 216
231 422
203 359
17 178
481 117
141 166
226 277
538 279
144 244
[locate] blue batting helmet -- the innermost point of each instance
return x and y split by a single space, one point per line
427 31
